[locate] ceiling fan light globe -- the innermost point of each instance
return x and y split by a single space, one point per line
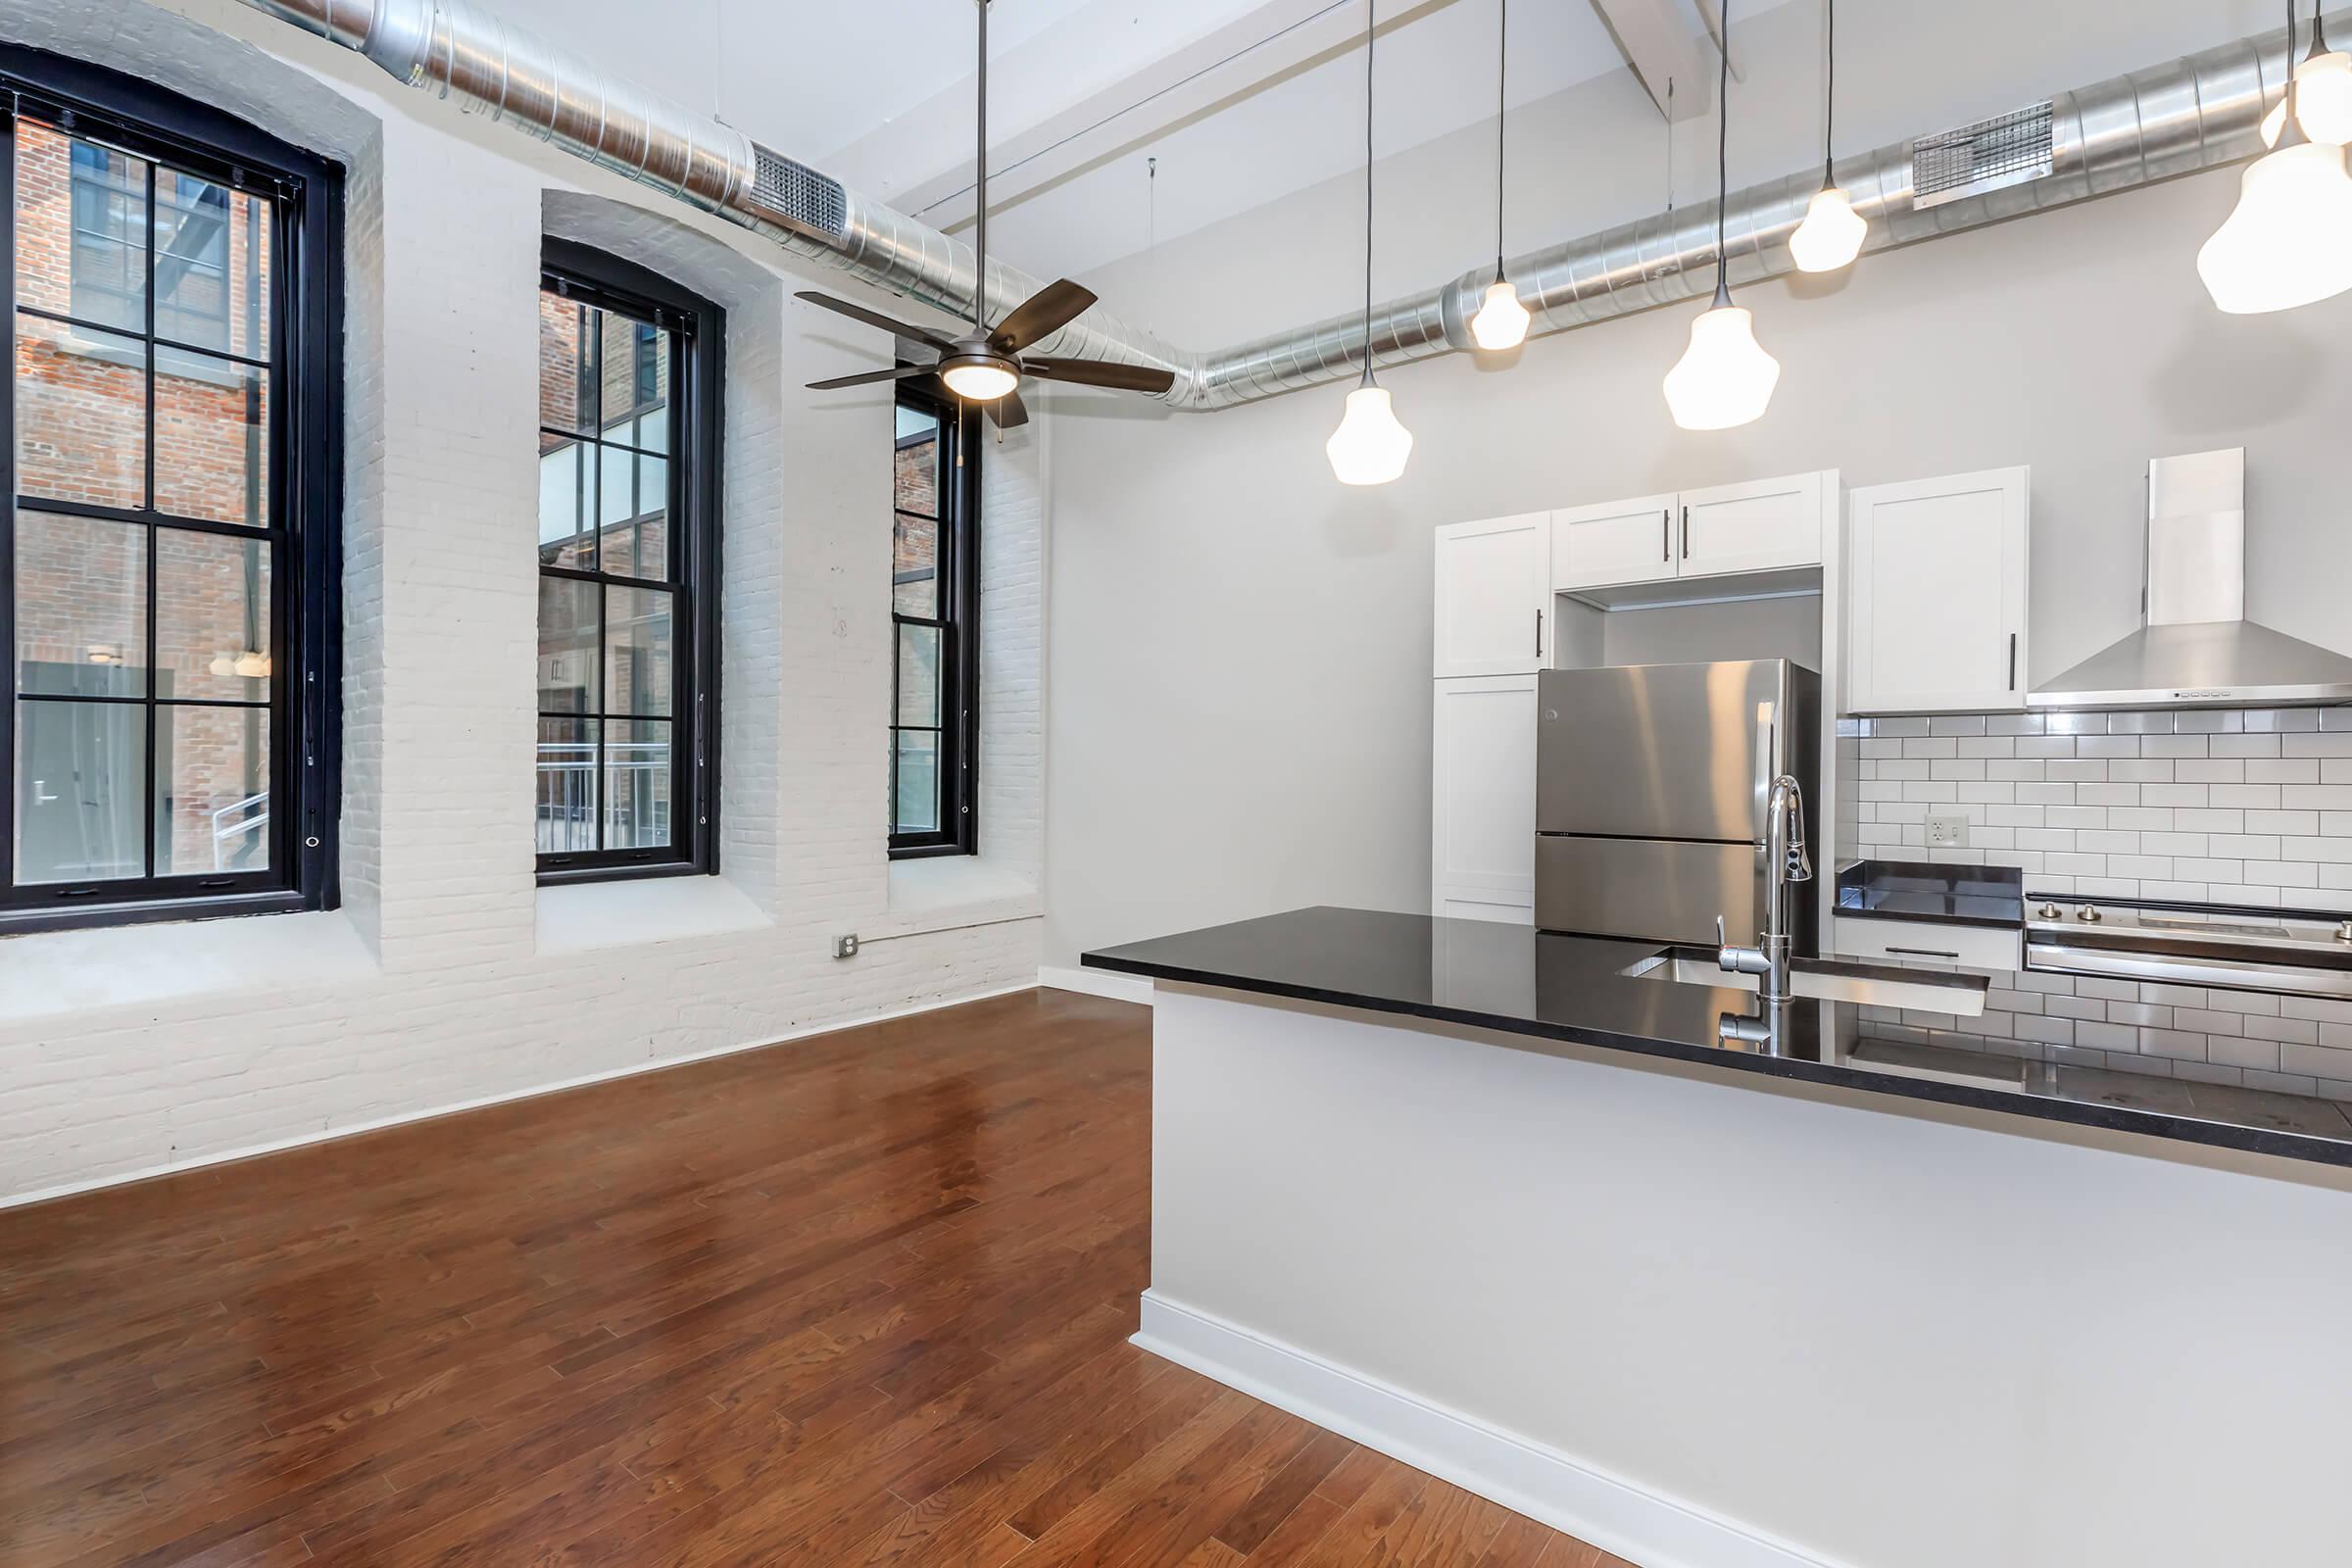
1370 446
979 382
1501 321
2288 241
1831 237
1724 378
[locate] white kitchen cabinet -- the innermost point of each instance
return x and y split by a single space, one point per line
1758 525
1483 831
1936 595
1972 946
1494 606
1615 542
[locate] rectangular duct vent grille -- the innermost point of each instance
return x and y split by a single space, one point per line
796 194
2006 150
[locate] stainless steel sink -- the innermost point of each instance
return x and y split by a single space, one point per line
1869 984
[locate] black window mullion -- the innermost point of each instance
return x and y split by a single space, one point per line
151 794
8 487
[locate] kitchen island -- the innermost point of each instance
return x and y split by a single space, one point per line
1479 1197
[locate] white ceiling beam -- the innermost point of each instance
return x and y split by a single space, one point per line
1658 44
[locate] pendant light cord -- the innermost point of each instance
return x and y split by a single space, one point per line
1503 66
980 167
1371 13
1723 160
1829 108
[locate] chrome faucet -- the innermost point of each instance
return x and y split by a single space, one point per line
1785 862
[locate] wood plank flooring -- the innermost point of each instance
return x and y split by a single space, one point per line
860 1299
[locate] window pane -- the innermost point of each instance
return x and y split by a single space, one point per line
637 668
919 677
81 413
81 227
212 264
637 779
566 365
212 790
568 617
917 806
635 373
917 474
212 615
81 791
82 605
914 567
564 503
212 440
634 541
566 807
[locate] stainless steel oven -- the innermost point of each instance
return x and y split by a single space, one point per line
2303 953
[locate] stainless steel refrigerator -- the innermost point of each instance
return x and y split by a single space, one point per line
1651 787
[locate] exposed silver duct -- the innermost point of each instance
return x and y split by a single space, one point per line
2126 132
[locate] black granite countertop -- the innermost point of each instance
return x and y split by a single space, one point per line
1945 895
1547 987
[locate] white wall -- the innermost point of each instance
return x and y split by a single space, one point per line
1241 649
449 977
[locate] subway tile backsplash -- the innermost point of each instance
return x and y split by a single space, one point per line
2250 807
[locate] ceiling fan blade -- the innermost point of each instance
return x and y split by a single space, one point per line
858 312
1097 373
1048 310
867 377
1009 413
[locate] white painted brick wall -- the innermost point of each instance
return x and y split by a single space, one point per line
451 999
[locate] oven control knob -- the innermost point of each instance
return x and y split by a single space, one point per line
2344 933
2048 912
2088 911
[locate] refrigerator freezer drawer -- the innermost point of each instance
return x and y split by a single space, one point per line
1651 889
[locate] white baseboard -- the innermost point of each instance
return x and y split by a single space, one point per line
1526 1477
534 1092
1098 983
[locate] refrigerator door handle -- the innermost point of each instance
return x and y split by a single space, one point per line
1767 766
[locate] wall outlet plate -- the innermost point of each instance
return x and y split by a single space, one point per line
845 946
1946 831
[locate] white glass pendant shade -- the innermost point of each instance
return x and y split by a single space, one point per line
2322 102
979 383
1724 378
1369 447
1501 321
1831 237
2288 241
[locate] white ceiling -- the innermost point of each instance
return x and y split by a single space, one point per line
1240 101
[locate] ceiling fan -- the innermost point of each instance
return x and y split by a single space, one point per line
986 367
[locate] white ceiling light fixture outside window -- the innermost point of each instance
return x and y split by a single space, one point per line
1831 235
1501 321
2288 241
2323 93
1724 378
1370 446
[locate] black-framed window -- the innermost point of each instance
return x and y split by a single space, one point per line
629 385
935 627
169 568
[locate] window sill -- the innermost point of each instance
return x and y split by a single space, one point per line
583 916
54 973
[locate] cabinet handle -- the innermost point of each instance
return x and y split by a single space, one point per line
1921 952
2013 661
1685 533
1666 534
1538 633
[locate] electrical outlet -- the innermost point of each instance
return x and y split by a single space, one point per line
1946 831
846 947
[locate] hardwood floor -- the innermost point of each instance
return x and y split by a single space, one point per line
860 1299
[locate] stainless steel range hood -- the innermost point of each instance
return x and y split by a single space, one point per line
2197 648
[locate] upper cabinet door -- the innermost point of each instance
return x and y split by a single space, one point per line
1756 527
1493 611
1617 541
1936 595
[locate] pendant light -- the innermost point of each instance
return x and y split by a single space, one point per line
1831 237
1724 378
1501 321
2288 241
2323 93
1369 447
